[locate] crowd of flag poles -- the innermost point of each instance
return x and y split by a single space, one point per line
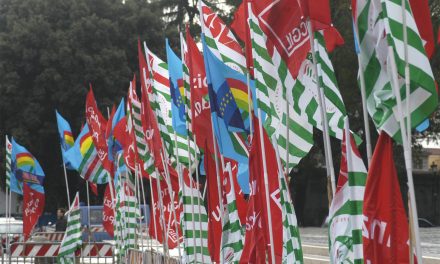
245 116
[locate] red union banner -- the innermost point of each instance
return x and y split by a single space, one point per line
108 213
284 24
33 205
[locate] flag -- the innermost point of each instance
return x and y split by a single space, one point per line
33 207
116 116
159 95
97 125
225 113
284 24
345 214
318 11
108 211
385 224
422 17
199 103
84 158
271 80
94 188
220 40
72 239
8 161
25 168
374 40
177 91
194 222
240 26
213 207
66 136
257 237
232 232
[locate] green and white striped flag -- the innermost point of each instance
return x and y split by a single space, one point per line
127 215
8 163
232 233
380 26
271 80
160 100
345 214
186 82
220 39
304 92
134 121
72 239
195 230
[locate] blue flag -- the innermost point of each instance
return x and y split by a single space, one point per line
113 145
66 137
176 90
25 169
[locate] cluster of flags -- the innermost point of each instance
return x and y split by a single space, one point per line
248 118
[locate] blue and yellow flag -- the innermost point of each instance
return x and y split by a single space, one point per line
176 91
25 168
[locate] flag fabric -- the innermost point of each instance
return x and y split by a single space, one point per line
159 95
33 207
271 80
72 239
108 211
25 169
199 103
240 26
385 224
220 40
257 237
93 187
127 215
142 152
345 214
232 232
318 11
374 40
113 145
8 161
225 114
422 17
284 24
97 125
66 136
84 158
195 230
177 91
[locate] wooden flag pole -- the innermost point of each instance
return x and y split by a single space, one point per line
323 110
265 176
407 154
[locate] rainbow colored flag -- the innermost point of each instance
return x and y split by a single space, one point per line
66 137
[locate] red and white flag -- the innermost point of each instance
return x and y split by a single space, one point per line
385 227
108 213
33 206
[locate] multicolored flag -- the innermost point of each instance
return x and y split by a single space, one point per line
66 136
116 116
84 158
72 239
345 214
220 40
33 207
25 169
385 224
374 40
8 164
177 91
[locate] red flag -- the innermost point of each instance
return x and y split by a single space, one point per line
93 188
200 110
108 212
214 211
422 16
97 125
318 11
165 225
257 227
284 25
241 28
385 228
332 38
33 206
239 198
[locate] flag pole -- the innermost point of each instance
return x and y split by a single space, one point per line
198 201
364 98
407 155
265 176
65 178
88 210
323 110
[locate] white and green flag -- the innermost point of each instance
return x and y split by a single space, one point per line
72 239
345 214
380 26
